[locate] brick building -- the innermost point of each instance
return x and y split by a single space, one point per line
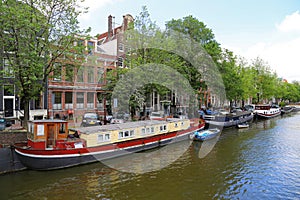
73 91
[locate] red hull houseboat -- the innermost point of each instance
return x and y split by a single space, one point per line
50 145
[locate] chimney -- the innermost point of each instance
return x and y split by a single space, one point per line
125 23
109 31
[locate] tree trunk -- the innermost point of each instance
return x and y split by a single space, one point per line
26 112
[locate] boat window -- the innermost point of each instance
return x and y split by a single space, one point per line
148 130
40 130
62 128
176 125
132 133
126 134
30 127
103 137
100 138
121 134
163 128
152 129
143 130
30 130
107 137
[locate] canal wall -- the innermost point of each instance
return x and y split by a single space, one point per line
9 161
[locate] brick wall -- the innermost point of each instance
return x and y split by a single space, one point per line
11 137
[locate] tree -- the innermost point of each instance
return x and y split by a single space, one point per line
199 32
36 34
232 76
265 80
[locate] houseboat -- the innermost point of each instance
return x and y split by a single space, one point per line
50 145
229 120
267 111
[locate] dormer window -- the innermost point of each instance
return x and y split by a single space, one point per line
91 47
121 47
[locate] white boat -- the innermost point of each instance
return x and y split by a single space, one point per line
267 111
243 125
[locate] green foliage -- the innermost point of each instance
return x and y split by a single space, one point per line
35 34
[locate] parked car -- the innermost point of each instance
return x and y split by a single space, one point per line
155 115
2 124
119 118
91 119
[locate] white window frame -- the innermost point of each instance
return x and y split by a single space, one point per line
104 137
126 134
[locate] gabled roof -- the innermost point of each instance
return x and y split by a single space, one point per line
104 36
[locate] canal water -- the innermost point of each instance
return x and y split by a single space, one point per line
261 162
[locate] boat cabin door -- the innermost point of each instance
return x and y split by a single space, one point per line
50 135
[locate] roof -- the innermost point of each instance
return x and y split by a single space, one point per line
105 35
124 126
49 121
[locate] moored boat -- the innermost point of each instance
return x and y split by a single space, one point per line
202 135
287 109
267 111
229 120
243 125
50 145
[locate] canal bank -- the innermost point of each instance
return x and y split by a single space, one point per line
9 161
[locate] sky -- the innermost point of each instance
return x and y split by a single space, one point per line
268 29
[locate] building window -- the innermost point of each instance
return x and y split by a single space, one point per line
100 75
57 100
90 100
8 71
121 47
8 90
38 102
91 47
80 100
80 74
120 62
69 73
57 72
91 75
69 100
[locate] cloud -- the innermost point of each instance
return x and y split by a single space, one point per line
282 57
279 49
290 23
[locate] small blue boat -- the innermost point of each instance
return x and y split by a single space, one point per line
205 134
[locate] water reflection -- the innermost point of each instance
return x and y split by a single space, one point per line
205 147
148 161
